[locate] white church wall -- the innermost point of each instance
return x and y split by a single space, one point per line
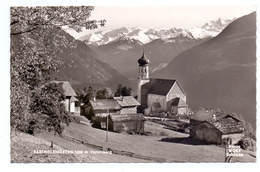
175 91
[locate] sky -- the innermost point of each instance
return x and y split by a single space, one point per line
164 16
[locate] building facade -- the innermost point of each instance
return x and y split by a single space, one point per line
130 123
159 92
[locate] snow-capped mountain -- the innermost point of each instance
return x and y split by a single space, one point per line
217 26
125 45
144 36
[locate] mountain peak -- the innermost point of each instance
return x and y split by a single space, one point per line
144 36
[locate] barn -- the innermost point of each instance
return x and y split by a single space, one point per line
214 127
130 123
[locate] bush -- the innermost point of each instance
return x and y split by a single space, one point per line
247 144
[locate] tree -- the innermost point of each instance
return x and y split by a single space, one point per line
90 94
27 19
48 103
103 94
123 91
118 90
126 91
32 55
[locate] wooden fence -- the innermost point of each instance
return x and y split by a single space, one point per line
115 151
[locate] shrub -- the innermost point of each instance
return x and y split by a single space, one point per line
247 144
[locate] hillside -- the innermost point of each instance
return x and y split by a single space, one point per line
23 146
82 66
221 72
161 143
120 53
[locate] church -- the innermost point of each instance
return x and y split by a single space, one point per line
159 95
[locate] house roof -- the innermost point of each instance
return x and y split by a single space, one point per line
126 101
227 125
126 117
203 115
68 90
224 122
179 102
73 99
160 86
103 104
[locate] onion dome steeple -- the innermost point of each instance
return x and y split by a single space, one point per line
143 60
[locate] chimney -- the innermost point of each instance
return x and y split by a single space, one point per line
94 98
213 117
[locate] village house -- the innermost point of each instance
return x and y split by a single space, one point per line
71 102
214 127
159 95
128 104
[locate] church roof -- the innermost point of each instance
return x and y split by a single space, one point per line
143 60
160 86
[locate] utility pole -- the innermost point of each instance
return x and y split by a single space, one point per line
107 126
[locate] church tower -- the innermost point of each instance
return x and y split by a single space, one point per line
143 75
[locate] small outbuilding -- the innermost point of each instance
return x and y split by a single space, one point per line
130 123
128 104
214 127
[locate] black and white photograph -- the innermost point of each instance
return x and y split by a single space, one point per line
120 84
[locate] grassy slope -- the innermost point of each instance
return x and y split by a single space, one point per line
23 146
168 145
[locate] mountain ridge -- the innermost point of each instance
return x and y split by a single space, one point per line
82 66
221 72
144 35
